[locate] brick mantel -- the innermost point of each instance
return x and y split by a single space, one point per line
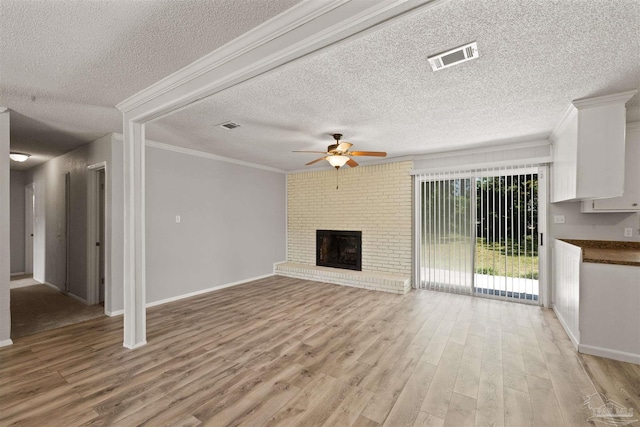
373 199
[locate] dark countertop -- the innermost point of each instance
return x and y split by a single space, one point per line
608 252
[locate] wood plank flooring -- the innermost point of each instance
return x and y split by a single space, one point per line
284 352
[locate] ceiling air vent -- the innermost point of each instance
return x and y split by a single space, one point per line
454 56
229 125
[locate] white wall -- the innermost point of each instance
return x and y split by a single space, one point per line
233 223
18 181
50 221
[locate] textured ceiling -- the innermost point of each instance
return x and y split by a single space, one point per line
379 91
64 65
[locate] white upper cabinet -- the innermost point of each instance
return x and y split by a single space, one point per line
630 199
589 149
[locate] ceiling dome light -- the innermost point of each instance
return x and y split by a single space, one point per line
19 157
337 160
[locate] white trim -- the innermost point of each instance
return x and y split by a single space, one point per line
299 31
19 273
93 267
196 293
597 101
3 109
578 104
633 127
573 339
137 345
75 297
293 33
210 156
114 313
204 291
203 154
372 162
610 354
52 286
29 227
5 343
18 286
296 16
533 161
485 149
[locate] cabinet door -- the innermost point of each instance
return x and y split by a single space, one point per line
630 200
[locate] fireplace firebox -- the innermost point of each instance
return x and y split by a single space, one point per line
340 249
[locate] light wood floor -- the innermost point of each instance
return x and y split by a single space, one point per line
289 352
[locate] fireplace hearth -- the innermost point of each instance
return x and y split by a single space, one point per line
339 249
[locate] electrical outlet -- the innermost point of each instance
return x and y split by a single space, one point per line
628 232
177 219
558 219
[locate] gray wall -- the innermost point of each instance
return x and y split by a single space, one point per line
233 223
50 220
592 226
18 181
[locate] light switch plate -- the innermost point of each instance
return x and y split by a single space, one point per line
558 219
628 232
177 219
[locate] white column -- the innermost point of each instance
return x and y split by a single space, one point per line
135 329
5 271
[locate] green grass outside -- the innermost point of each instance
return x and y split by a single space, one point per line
495 258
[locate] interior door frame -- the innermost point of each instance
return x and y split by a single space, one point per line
93 236
29 208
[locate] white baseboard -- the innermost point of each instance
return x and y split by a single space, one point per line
573 339
19 273
133 347
5 343
52 286
193 294
114 313
24 285
204 291
609 354
75 297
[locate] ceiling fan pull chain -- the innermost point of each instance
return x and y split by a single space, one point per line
337 178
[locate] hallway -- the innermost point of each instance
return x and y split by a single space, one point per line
36 308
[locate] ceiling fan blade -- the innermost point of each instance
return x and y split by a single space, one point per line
352 163
317 152
368 153
344 146
315 161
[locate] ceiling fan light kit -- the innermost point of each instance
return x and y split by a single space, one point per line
338 154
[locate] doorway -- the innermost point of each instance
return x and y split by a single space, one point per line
29 214
98 242
481 233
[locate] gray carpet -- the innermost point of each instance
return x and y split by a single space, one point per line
40 308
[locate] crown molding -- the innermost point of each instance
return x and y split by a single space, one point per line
580 104
3 109
204 155
301 30
633 127
539 142
598 101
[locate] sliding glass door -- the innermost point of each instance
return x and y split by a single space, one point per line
478 233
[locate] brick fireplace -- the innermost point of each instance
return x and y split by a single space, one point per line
376 200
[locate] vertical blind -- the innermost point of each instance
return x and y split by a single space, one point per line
478 232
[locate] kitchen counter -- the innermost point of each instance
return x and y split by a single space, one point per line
608 252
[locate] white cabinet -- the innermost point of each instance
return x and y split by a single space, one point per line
589 149
630 199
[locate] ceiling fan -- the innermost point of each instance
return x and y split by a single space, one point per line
338 154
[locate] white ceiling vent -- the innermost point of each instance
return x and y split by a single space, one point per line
454 56
229 125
